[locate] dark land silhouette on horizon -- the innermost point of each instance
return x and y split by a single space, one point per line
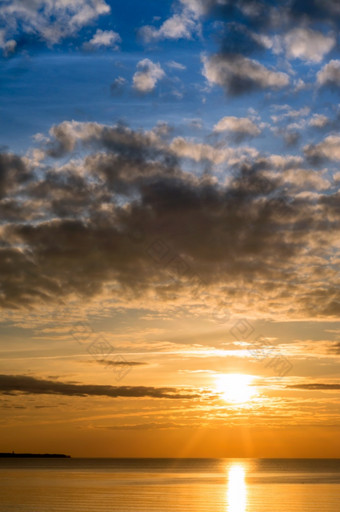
35 455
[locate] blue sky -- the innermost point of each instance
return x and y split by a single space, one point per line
47 79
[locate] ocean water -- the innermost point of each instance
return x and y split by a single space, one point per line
164 485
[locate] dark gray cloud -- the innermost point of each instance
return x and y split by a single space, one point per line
316 386
12 384
315 10
239 75
329 75
142 426
13 172
128 214
327 149
236 39
335 348
292 138
263 14
253 13
120 363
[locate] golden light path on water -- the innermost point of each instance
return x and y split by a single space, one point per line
237 489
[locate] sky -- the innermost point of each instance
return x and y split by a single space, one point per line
170 206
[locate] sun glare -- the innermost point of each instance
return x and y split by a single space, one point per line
235 387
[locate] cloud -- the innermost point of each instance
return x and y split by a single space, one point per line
200 152
255 13
176 65
239 125
269 13
317 386
104 38
305 177
179 26
328 149
265 15
319 121
198 7
308 44
8 46
188 14
329 74
143 426
236 39
65 136
49 21
239 75
13 172
118 85
122 362
315 10
291 114
291 138
10 384
186 20
129 219
147 76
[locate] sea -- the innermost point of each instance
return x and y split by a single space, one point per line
164 485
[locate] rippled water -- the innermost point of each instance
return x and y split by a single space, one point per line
162 485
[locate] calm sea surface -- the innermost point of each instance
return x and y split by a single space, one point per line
162 485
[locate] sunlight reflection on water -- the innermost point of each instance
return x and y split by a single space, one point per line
237 489
169 485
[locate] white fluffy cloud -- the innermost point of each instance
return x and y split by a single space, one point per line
239 74
105 38
318 121
308 44
147 76
329 74
183 24
50 20
179 26
200 7
241 125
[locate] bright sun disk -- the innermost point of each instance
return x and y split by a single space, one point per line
235 387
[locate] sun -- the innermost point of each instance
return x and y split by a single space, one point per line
235 387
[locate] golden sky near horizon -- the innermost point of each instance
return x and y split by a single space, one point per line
241 397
